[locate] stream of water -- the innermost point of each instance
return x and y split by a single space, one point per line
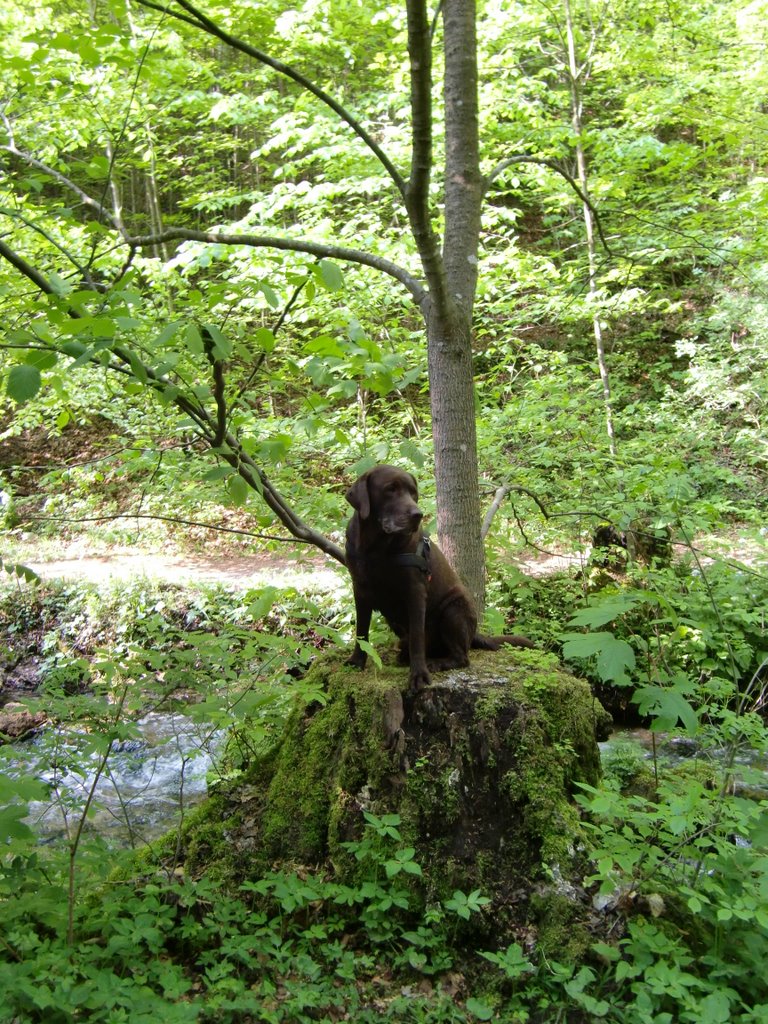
166 767
749 768
139 797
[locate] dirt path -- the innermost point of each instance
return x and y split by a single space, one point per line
243 572
310 572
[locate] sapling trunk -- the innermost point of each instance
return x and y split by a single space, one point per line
575 76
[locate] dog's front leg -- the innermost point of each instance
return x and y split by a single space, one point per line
417 610
363 612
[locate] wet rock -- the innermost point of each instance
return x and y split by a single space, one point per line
18 722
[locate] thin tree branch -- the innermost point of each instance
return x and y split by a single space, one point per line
263 355
435 20
493 508
83 271
553 165
201 21
219 391
499 497
338 252
102 211
230 450
178 520
25 268
417 195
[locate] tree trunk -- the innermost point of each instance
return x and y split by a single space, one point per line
449 320
449 264
452 400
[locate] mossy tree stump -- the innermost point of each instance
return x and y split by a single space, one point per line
481 767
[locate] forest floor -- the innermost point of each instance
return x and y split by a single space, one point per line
100 559
237 571
309 571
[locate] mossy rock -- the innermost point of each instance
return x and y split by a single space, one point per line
481 767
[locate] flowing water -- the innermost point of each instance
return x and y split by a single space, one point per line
747 768
149 779
166 768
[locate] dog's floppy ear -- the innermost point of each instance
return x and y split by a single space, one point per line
358 496
415 485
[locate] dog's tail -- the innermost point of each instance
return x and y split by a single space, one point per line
493 643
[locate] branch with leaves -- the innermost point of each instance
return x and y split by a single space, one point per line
553 165
211 429
195 17
320 250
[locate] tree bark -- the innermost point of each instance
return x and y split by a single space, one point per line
451 275
449 330
575 76
454 436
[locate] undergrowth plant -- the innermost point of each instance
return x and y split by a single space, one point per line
292 946
685 856
104 662
679 877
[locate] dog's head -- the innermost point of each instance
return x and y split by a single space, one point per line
388 496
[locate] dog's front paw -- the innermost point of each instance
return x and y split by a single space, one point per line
357 659
419 678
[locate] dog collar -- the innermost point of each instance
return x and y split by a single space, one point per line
418 559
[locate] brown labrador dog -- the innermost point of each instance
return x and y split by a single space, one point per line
397 571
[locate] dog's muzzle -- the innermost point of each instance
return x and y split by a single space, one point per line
403 523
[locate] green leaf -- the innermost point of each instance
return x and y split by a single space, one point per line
193 340
103 327
98 167
606 952
59 285
265 339
269 294
222 346
73 348
218 473
238 489
605 611
759 831
11 824
167 334
667 706
276 448
22 572
42 360
355 331
138 368
479 1009
330 275
614 656
263 604
513 962
371 651
715 1008
324 345
23 383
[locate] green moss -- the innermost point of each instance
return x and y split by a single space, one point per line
326 761
479 767
431 788
562 933
553 737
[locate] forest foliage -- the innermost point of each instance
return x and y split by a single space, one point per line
123 361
